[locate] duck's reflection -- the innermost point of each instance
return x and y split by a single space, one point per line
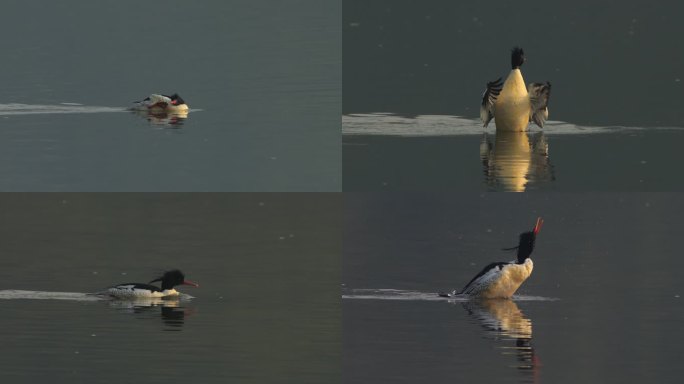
505 322
172 311
161 118
513 160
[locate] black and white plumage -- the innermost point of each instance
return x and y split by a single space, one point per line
488 99
502 279
162 103
168 281
513 105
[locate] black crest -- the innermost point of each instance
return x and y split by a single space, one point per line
176 99
517 57
170 279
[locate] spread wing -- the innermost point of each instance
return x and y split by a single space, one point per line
488 100
539 101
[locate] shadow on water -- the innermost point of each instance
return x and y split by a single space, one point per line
515 160
505 323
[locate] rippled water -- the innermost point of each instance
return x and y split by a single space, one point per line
267 309
456 153
602 303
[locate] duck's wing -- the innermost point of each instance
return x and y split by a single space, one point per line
483 279
539 101
488 100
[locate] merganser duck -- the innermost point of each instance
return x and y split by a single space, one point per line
139 290
502 279
515 105
155 103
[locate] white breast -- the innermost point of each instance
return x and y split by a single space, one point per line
511 278
501 282
512 107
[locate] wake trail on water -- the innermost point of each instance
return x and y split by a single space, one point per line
37 109
398 294
14 294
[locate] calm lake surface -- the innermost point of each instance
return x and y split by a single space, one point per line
612 69
267 309
602 305
262 80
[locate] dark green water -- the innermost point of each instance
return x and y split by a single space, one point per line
267 309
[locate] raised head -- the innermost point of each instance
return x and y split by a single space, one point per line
172 278
517 57
527 239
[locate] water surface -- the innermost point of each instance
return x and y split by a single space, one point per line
602 304
267 309
266 77
384 151
430 61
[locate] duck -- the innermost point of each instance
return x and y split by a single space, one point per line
157 103
512 104
500 280
168 280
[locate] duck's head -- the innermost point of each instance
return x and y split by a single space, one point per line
176 99
526 243
172 278
517 57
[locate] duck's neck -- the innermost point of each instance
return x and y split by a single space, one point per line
514 85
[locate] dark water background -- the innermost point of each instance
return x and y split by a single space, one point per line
611 260
625 160
267 309
263 76
611 64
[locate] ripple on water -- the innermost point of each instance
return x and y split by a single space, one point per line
389 124
398 294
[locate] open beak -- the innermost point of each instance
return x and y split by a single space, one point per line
191 283
538 226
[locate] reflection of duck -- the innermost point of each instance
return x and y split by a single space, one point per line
168 280
172 313
515 105
502 279
145 302
163 118
512 161
502 317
